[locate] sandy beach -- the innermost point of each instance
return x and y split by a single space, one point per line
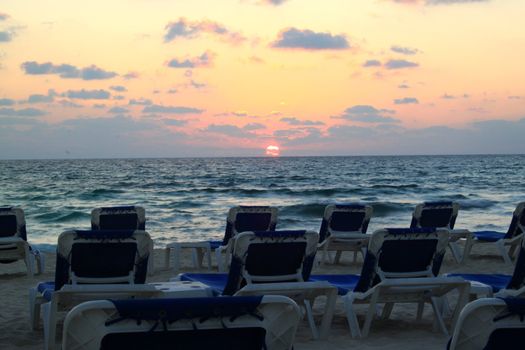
402 331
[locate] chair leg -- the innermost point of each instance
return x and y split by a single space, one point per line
420 309
167 258
34 309
208 256
468 248
49 310
176 258
504 254
310 318
351 317
338 257
437 315
387 311
455 250
40 263
29 261
370 314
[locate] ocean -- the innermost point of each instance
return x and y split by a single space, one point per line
187 199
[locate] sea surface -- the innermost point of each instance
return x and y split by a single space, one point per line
187 199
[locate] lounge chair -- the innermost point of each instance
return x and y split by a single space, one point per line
239 219
511 239
257 323
13 241
344 229
490 324
502 285
118 218
443 215
400 266
274 263
91 265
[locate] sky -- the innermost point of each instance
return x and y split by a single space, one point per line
176 78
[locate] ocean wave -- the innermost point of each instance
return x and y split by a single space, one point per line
382 209
308 210
476 204
59 217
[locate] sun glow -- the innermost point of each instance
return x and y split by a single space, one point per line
272 151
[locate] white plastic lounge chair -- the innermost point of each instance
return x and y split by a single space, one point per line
274 263
118 218
92 265
239 219
441 214
13 241
400 266
248 323
498 284
490 324
511 239
344 229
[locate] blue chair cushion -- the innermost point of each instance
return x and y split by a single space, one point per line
488 236
216 281
496 281
46 289
344 283
215 244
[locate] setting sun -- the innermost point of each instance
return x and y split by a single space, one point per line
272 151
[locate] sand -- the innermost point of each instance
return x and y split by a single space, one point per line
402 331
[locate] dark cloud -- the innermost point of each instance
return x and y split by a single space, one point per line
448 97
406 101
7 102
404 50
295 121
403 86
3 16
171 110
372 63
39 98
118 110
367 114
118 88
5 37
273 2
293 38
69 104
197 85
25 112
184 28
228 130
88 94
66 71
400 64
203 60
174 122
140 102
254 126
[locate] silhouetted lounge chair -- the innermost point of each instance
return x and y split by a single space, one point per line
239 219
343 229
443 215
490 324
13 241
257 323
274 263
92 265
401 265
501 240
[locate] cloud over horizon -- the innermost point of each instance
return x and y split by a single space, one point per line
171 109
184 28
293 38
367 114
204 60
66 71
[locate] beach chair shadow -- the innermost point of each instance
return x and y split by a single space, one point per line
239 219
13 241
268 322
491 324
343 229
401 266
274 263
91 265
511 239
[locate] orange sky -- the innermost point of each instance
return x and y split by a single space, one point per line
228 78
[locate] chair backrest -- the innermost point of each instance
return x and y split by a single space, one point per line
402 253
252 323
435 214
118 218
490 324
517 280
12 223
249 218
271 256
517 225
102 256
345 218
